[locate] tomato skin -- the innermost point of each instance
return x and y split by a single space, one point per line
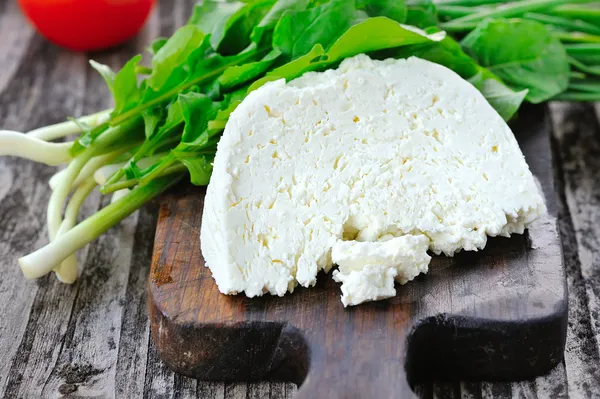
87 25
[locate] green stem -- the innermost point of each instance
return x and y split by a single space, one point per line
42 261
586 53
165 163
452 12
589 14
472 3
469 22
577 96
123 184
66 272
575 37
588 69
577 26
143 70
24 146
587 86
63 129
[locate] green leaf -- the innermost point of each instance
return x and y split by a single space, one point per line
239 74
152 118
123 85
200 167
293 69
377 34
215 18
446 52
505 101
298 31
229 23
421 13
173 54
106 72
156 45
269 21
524 54
197 109
392 9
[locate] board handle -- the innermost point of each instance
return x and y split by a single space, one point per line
355 366
356 379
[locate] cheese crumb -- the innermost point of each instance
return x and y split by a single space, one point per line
367 270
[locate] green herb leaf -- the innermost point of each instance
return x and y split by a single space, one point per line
298 31
156 45
173 54
269 21
392 9
382 33
215 18
524 54
123 85
239 74
421 13
505 101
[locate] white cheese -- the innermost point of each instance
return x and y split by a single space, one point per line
367 270
373 149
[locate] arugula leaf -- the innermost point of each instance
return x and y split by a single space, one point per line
215 18
393 9
173 54
239 74
421 13
123 85
196 110
152 118
239 35
382 33
523 53
199 166
505 101
293 69
269 21
156 45
298 31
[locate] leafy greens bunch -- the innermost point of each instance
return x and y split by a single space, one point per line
168 117
550 47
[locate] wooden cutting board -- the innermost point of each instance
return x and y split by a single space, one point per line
497 314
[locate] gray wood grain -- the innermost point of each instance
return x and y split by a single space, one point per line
92 339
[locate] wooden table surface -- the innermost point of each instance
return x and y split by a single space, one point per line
92 339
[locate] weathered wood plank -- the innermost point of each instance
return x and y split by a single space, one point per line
15 36
36 313
577 142
135 333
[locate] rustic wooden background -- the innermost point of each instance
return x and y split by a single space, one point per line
92 339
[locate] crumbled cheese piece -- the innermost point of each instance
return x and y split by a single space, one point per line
367 270
370 151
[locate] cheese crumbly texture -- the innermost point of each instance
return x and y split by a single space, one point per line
367 270
378 154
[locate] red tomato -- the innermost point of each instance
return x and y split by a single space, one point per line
84 25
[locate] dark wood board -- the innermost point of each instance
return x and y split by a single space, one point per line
497 314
